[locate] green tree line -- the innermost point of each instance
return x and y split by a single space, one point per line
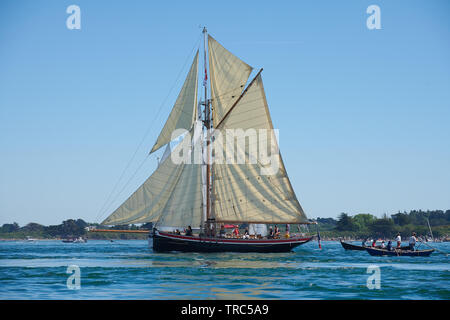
67 229
367 225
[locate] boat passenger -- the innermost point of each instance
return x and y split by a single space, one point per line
276 232
222 231
389 245
246 234
270 235
399 240
412 242
383 245
189 231
236 232
374 243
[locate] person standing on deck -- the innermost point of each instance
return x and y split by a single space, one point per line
374 243
412 242
399 240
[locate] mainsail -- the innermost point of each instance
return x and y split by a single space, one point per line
228 75
244 192
183 112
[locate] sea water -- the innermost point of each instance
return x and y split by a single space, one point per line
129 269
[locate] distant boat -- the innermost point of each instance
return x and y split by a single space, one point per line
29 239
395 253
74 240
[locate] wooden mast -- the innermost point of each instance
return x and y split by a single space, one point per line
207 125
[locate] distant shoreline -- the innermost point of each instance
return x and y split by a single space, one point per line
426 224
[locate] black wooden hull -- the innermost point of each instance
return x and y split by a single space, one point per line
395 253
166 242
349 246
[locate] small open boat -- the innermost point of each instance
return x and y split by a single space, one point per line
396 252
349 246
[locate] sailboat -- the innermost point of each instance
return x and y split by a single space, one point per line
209 188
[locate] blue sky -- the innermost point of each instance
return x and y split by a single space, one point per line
363 114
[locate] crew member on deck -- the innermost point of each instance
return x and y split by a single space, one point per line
399 240
412 242
189 231
236 232
270 235
389 245
364 242
276 232
222 231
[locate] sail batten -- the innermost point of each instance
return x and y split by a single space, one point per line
183 113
